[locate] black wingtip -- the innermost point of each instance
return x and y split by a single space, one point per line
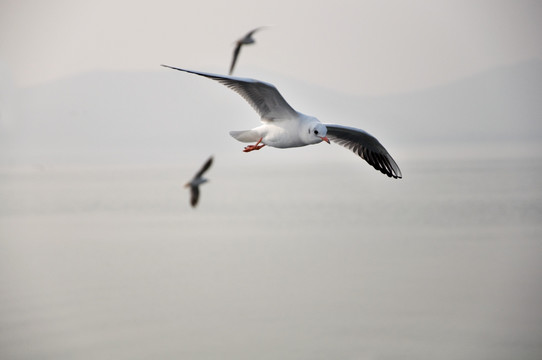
175 68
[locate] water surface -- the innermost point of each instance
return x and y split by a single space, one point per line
284 261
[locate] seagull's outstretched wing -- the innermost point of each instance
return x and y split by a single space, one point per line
251 32
204 168
194 195
236 52
366 146
262 96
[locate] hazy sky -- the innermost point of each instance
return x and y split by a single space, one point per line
366 47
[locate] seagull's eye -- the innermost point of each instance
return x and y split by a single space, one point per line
315 132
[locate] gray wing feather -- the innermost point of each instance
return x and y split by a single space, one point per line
262 96
235 55
366 146
194 195
204 168
250 33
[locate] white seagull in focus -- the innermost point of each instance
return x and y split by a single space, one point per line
196 181
283 127
245 40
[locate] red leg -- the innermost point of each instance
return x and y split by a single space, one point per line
254 147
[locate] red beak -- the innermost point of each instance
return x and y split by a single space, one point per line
324 138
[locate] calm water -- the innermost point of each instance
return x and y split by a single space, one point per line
282 262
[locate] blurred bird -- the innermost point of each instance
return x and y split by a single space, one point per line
245 40
196 181
283 127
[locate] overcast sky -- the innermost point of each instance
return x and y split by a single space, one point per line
364 47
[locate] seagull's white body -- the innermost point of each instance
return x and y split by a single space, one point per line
281 133
283 127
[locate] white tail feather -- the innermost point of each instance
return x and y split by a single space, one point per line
245 135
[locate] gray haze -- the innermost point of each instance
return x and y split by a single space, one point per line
366 47
163 116
305 253
80 81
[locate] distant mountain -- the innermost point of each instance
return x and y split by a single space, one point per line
160 116
499 105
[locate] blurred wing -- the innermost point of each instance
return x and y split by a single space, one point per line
204 168
194 195
263 97
235 55
366 146
250 33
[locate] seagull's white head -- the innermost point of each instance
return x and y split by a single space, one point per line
316 133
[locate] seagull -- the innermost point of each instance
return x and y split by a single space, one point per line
245 40
196 181
283 127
